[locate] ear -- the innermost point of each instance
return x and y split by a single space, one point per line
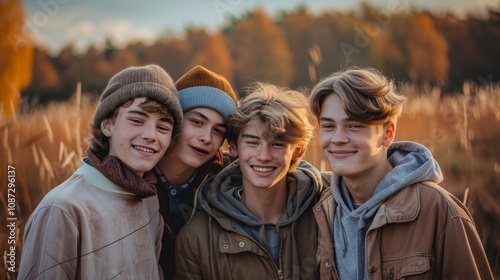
233 150
390 134
297 152
106 127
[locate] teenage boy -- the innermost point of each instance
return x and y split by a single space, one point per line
256 219
207 100
390 218
104 221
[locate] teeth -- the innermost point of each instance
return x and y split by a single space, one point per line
144 149
262 169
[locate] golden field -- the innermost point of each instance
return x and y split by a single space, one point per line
44 147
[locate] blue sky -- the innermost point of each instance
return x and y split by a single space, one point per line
54 23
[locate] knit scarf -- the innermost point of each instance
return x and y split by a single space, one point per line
113 169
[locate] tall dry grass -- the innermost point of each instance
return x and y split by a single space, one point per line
462 131
44 147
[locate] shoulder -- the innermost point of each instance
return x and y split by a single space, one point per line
431 194
194 237
64 194
196 226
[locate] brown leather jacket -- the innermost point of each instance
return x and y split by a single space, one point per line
421 232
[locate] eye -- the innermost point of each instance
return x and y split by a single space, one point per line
164 129
196 122
220 132
251 143
280 145
136 120
355 126
327 126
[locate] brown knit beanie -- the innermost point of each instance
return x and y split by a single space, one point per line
133 82
200 87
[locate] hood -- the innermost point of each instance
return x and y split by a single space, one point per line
221 193
412 163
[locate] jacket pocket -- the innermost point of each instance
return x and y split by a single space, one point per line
407 266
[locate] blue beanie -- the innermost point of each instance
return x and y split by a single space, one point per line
200 87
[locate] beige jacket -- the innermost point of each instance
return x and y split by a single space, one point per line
89 228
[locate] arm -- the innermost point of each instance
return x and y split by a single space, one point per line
462 253
158 244
50 247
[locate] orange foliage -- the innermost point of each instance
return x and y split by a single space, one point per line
428 59
260 51
16 55
216 56
44 73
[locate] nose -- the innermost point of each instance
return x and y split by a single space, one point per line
263 153
339 136
149 132
205 136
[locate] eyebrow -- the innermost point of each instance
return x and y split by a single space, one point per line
138 113
245 135
146 115
325 119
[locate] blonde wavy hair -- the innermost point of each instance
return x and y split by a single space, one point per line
282 112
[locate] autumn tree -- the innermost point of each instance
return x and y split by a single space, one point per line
463 56
304 47
260 51
44 73
427 51
215 55
171 53
16 54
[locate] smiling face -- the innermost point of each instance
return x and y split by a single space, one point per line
264 162
202 135
354 149
137 138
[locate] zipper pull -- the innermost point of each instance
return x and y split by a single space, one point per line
280 274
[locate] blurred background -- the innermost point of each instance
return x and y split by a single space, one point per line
56 57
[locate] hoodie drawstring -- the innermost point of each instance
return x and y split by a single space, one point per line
344 234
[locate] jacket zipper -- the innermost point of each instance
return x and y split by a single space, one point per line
280 257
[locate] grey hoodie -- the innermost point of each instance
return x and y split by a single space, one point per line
411 163
222 193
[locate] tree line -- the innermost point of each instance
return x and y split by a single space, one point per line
294 49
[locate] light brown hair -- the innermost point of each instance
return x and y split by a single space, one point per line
366 95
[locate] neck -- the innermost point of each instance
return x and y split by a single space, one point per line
362 187
267 204
174 170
